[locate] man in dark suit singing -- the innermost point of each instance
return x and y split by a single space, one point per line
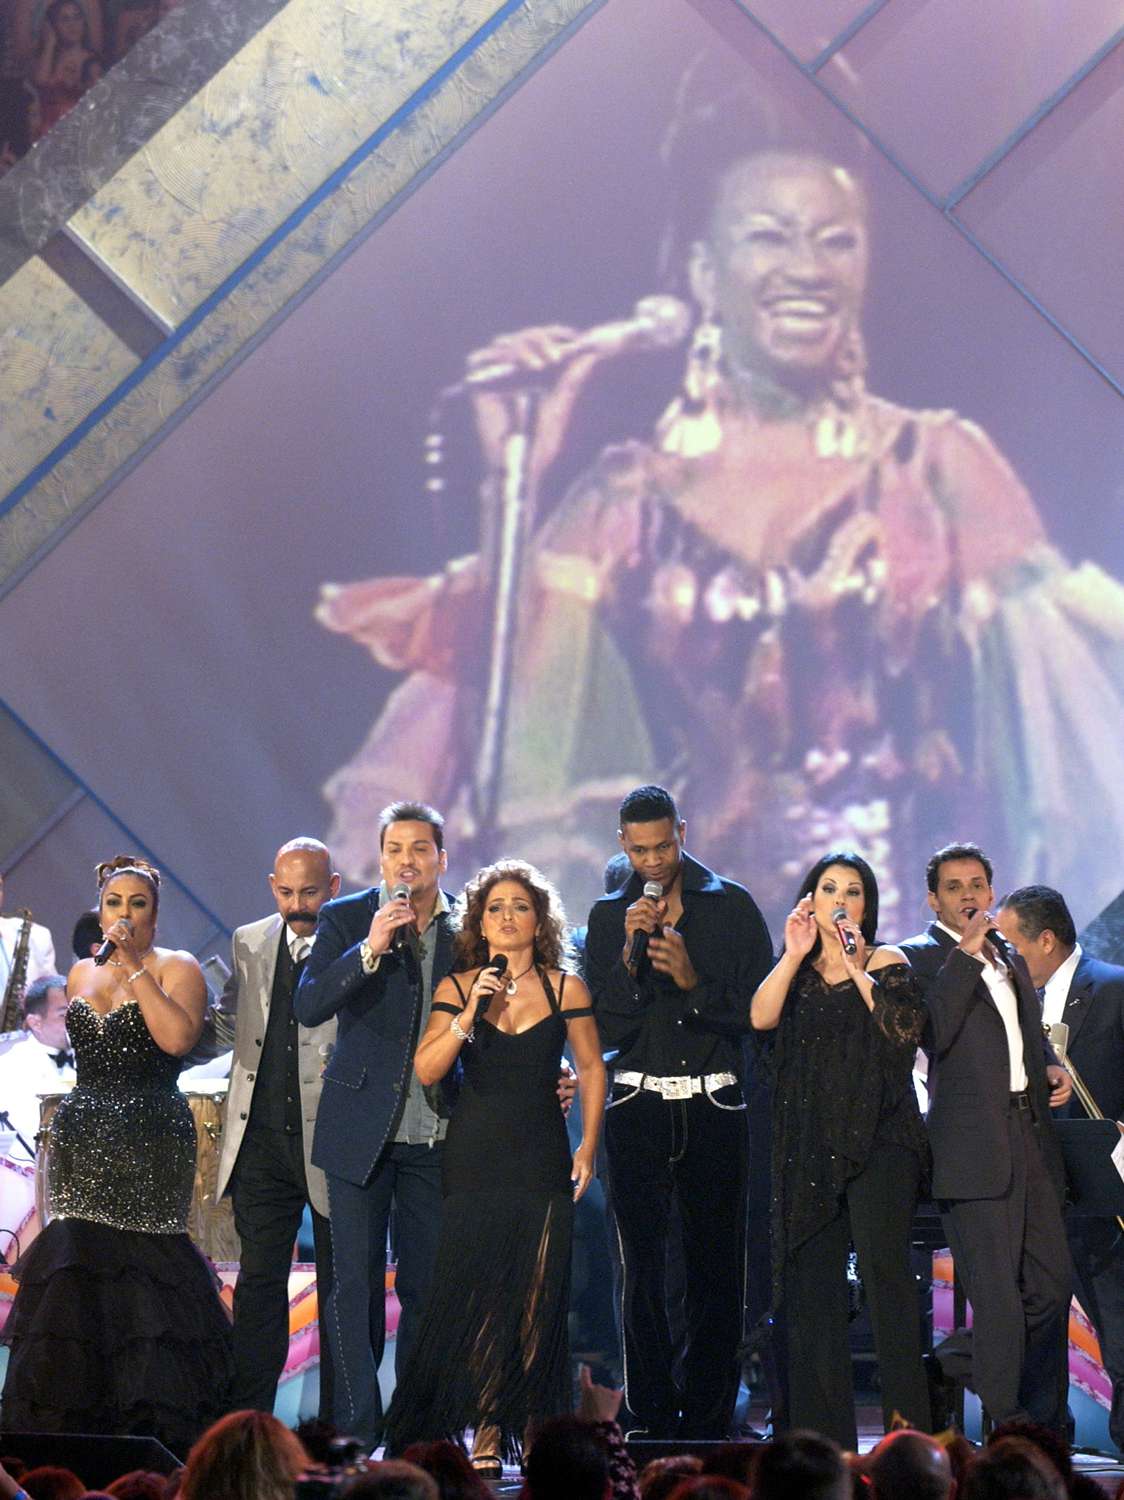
997 1168
1088 996
377 958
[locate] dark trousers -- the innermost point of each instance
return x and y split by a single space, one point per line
1097 1248
875 1213
409 1179
692 1151
269 1192
1012 1258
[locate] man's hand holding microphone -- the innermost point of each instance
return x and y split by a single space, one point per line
647 935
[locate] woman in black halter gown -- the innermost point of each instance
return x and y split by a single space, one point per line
492 1353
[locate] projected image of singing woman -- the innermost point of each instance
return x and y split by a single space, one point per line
826 618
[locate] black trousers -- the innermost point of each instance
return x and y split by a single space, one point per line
693 1152
1097 1248
1012 1258
269 1192
407 1178
875 1213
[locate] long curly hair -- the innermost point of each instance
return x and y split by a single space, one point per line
552 947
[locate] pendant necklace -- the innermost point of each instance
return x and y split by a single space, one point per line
512 984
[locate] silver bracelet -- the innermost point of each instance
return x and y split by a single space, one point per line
458 1031
136 974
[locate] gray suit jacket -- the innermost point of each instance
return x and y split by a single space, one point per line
248 993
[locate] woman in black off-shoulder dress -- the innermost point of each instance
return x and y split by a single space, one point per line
117 1326
492 1352
849 1148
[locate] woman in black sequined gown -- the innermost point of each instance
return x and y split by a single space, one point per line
117 1326
492 1352
849 1148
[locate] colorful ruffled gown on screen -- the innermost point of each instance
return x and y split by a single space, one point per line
117 1326
843 632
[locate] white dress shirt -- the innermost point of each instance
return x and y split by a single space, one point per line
28 1069
1057 987
1001 987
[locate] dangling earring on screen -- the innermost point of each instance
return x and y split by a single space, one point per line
691 425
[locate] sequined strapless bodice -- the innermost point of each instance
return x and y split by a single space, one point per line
117 1050
122 1144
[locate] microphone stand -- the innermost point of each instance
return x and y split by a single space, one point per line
504 551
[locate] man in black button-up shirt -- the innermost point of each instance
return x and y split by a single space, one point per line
675 1131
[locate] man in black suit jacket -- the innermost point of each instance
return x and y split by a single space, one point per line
1088 996
997 1167
374 966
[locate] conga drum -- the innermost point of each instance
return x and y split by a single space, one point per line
210 1220
48 1103
19 1217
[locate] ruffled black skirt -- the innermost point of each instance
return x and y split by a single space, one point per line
116 1331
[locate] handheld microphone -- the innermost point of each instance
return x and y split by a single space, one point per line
653 890
109 947
658 322
838 917
398 941
994 936
497 965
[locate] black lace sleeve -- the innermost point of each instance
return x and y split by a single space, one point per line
899 1010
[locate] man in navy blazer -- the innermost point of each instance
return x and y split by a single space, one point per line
997 1169
1088 996
376 961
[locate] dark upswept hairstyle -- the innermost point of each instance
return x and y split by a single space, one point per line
1040 909
852 861
954 851
648 804
721 116
129 864
412 812
552 949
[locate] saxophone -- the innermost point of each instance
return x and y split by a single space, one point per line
11 1012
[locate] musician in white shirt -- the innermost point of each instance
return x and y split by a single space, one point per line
42 1063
